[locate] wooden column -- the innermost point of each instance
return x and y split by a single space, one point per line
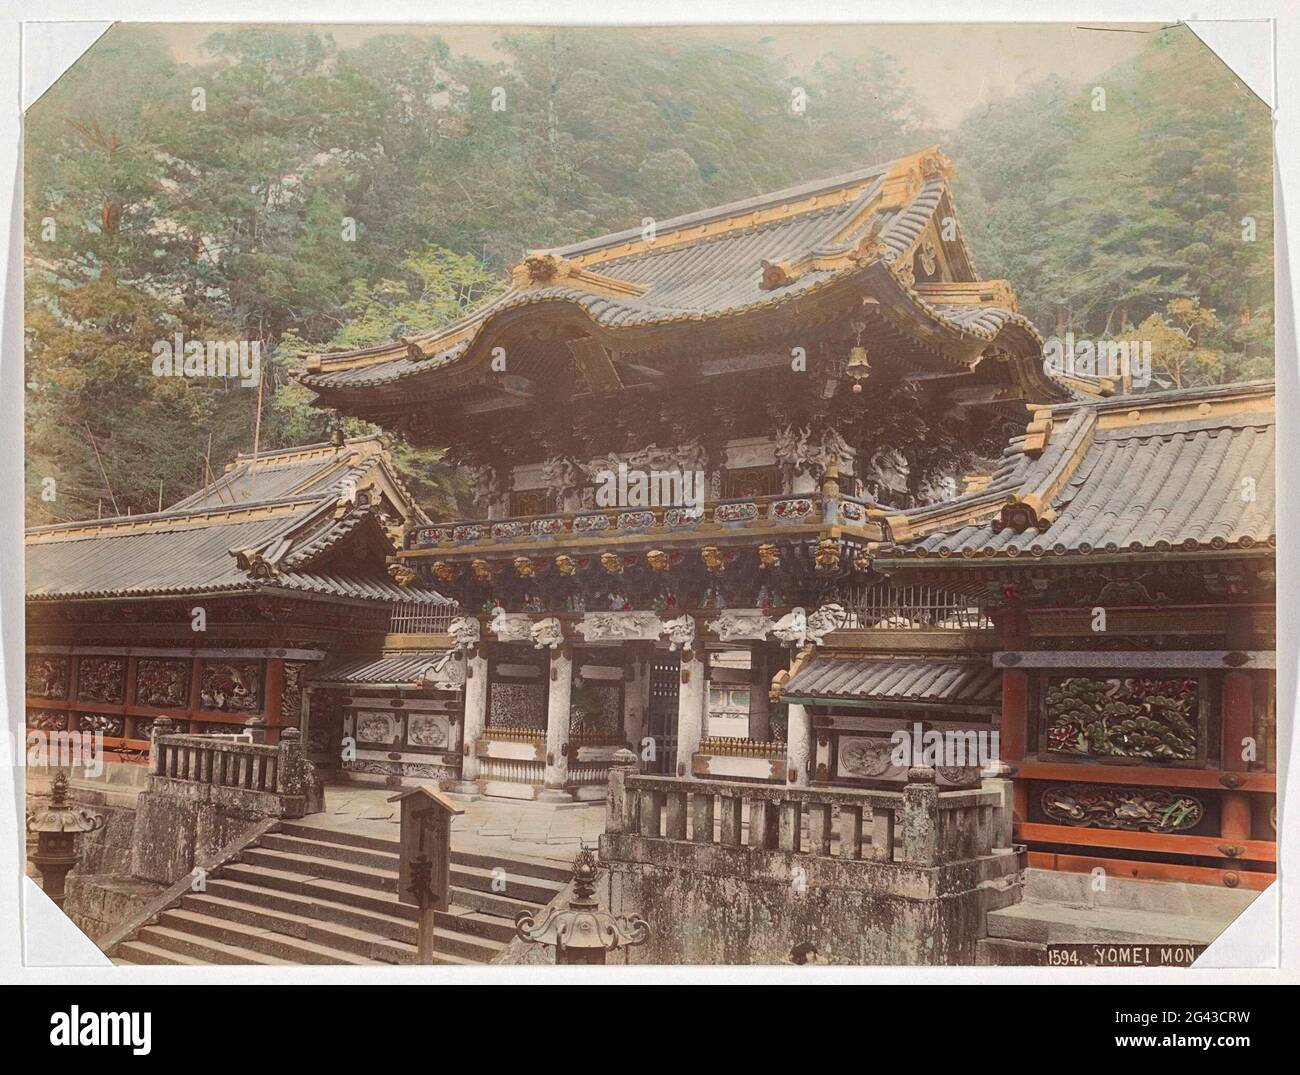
271 699
692 698
1013 732
1238 704
556 774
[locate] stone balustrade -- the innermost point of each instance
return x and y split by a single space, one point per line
919 825
727 871
203 788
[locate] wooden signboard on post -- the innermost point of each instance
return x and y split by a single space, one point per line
424 869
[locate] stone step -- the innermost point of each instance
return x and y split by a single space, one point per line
335 841
268 942
470 912
203 949
341 836
377 937
490 903
359 856
141 953
314 866
1000 952
514 865
486 879
1041 922
1168 897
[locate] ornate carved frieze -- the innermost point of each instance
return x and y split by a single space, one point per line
620 626
231 686
737 624
464 631
680 633
47 676
547 633
800 629
101 679
162 683
1131 717
510 626
1107 806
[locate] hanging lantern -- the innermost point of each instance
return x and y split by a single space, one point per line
859 369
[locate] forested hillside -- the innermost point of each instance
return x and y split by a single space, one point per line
301 195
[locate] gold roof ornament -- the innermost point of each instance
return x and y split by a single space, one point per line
777 274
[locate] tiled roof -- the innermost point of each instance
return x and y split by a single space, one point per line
286 539
1182 470
401 670
710 264
895 680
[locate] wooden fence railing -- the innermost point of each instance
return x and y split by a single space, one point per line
919 825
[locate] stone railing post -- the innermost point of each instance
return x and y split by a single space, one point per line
620 805
161 726
289 761
997 779
921 818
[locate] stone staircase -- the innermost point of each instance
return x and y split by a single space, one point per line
306 894
1062 908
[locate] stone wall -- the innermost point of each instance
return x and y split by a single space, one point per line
740 905
100 892
178 822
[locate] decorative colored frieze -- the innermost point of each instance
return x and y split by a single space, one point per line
590 524
852 512
736 514
231 686
47 677
797 510
1105 806
467 534
104 723
101 679
507 530
433 535
544 528
1132 717
163 683
636 520
682 518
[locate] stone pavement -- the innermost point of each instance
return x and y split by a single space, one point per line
519 829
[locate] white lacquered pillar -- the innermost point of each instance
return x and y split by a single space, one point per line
558 703
475 716
798 742
692 697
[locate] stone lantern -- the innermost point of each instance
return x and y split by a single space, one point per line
56 826
583 933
